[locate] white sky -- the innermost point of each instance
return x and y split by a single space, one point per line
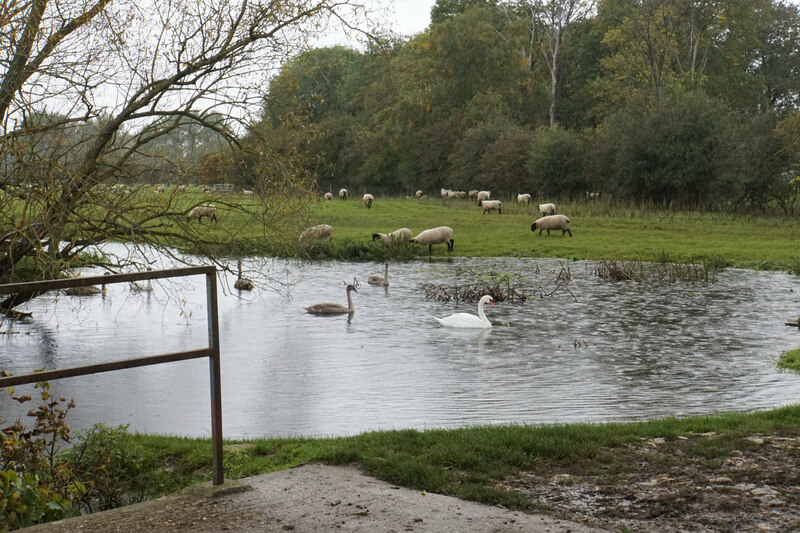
411 16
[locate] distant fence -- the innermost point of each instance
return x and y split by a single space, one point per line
212 351
223 187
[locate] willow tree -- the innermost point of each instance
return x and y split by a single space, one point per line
88 88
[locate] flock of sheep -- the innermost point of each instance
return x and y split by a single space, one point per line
444 234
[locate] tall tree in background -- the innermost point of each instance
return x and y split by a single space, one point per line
551 22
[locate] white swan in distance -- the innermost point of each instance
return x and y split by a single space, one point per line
330 308
466 320
381 281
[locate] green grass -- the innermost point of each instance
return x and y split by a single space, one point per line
790 360
607 232
469 463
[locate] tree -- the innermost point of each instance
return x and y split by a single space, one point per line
550 22
168 65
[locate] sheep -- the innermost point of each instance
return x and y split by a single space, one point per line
524 199
445 192
419 193
368 199
440 235
592 195
403 233
328 196
552 222
547 209
343 194
491 205
321 231
201 211
473 193
482 195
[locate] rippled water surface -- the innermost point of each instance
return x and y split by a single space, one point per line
602 351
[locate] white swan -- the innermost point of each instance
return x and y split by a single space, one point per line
466 320
381 281
329 308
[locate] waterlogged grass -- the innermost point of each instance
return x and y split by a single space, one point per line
467 463
790 360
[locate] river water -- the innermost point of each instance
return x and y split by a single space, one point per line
600 351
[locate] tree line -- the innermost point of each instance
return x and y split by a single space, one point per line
684 103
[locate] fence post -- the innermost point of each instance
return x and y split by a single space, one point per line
216 381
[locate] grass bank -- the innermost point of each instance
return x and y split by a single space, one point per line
471 463
601 231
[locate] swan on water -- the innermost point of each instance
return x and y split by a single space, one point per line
466 320
381 281
330 308
243 284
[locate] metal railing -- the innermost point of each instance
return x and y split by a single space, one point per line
212 351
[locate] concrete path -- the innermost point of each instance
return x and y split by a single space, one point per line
310 498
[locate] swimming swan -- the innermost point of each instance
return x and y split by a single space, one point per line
466 320
381 281
328 308
243 284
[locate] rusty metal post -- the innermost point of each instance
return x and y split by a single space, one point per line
216 381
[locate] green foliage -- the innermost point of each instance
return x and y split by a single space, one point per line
26 500
37 485
667 103
110 462
790 360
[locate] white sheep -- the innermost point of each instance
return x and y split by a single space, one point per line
440 235
343 194
400 234
201 211
491 205
592 195
445 192
524 199
552 222
473 193
483 195
321 231
547 209
368 199
419 193
328 196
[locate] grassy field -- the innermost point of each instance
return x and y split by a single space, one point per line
601 231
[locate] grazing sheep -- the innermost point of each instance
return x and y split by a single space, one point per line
181 188
552 222
247 192
473 193
440 235
445 192
343 194
547 209
419 193
328 196
321 231
201 211
491 205
368 199
483 195
592 195
524 199
403 233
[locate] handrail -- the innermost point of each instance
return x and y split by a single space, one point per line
212 351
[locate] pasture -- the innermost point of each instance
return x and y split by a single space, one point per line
601 231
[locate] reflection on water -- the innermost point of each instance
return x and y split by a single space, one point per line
622 351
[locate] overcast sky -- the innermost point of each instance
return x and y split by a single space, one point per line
412 16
